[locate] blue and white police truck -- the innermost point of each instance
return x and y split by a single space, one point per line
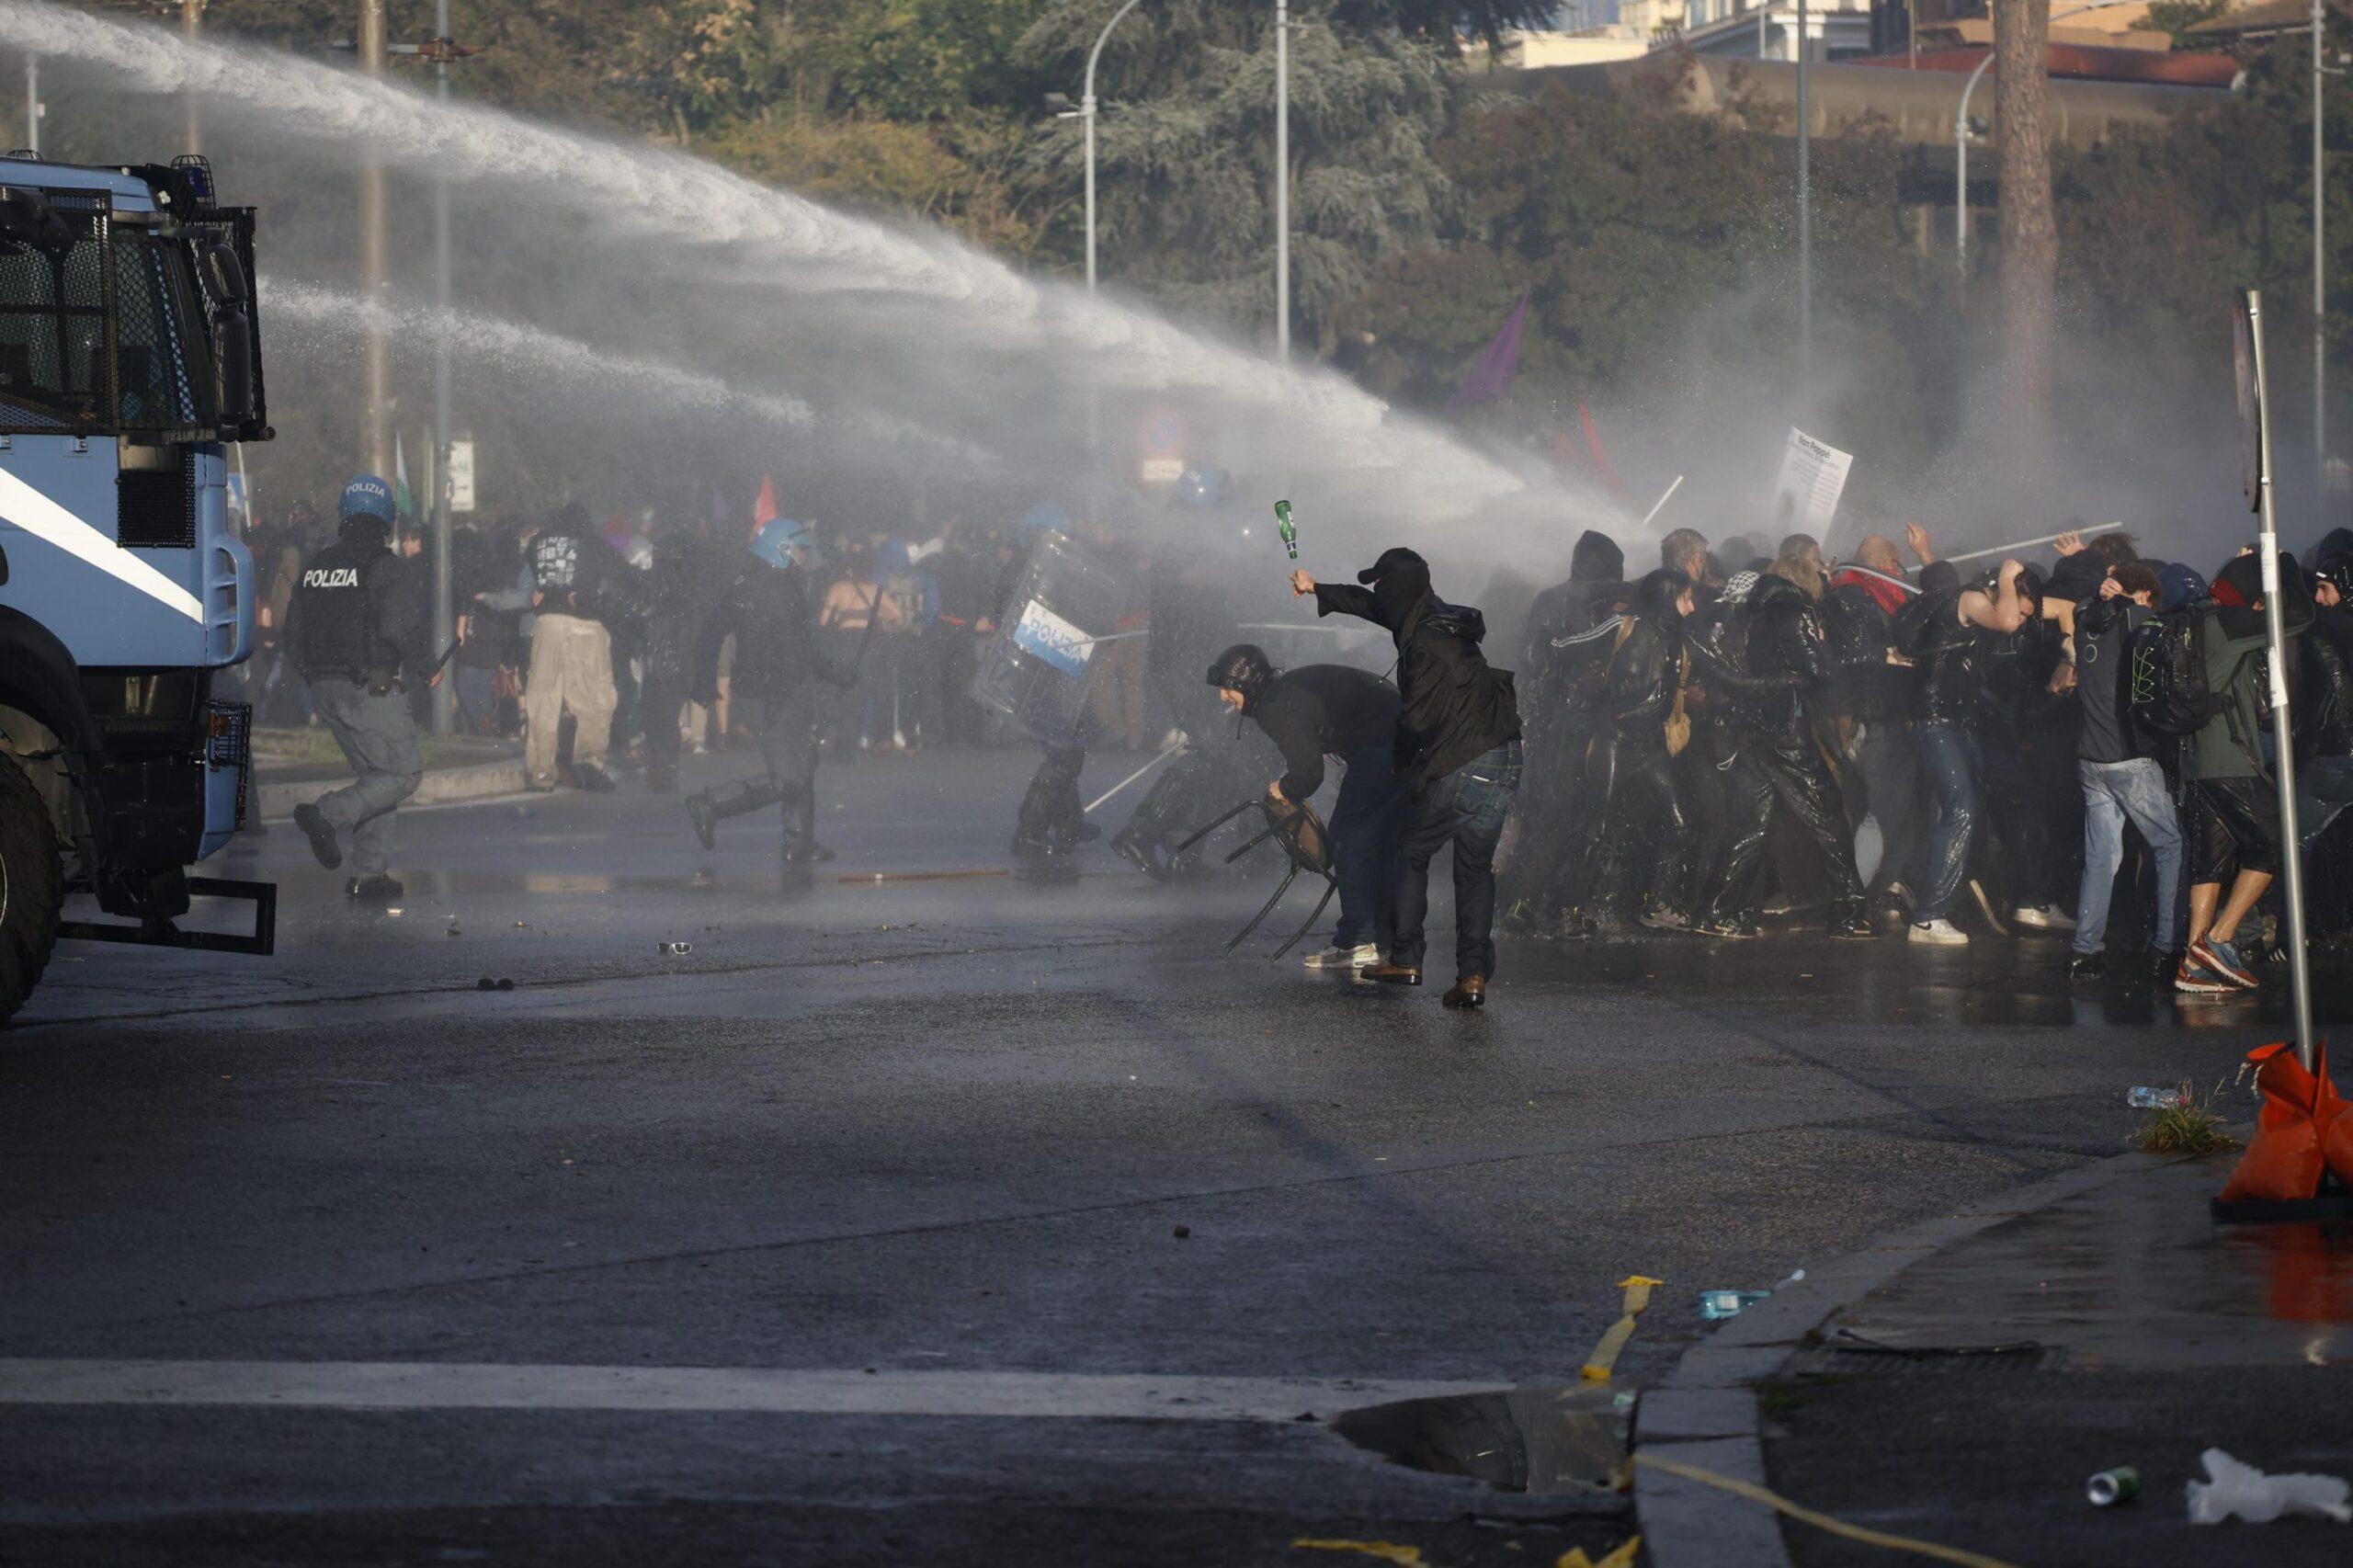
129 359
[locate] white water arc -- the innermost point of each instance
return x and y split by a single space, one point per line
743 233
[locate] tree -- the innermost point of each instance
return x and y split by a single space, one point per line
2030 235
1185 150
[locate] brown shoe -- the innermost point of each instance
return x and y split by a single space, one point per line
1390 974
1471 991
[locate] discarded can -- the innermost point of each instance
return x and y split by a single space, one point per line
676 950
2143 1097
2110 1487
1717 1305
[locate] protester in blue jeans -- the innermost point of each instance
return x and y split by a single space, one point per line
1942 631
2121 783
1456 754
1321 710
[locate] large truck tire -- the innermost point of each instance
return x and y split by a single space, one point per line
33 887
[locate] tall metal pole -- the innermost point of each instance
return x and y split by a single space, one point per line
1282 181
1086 115
374 246
2292 857
32 103
2320 277
444 614
191 26
1805 217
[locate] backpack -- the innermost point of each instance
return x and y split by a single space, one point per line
2166 686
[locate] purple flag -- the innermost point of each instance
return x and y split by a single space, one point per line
1491 376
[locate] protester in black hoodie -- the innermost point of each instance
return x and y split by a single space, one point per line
1458 755
1569 664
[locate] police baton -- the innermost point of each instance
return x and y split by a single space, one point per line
446 655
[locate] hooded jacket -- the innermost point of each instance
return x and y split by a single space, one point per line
1596 586
1454 708
1321 710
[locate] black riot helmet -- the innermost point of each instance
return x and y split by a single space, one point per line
1245 668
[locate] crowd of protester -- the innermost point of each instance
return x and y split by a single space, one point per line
2085 746
602 622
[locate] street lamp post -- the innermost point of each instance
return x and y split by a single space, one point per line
1960 136
1805 215
444 585
2319 273
32 104
1086 119
1282 182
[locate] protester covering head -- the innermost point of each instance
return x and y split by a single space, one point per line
2077 577
2182 585
1597 559
1243 669
1657 597
2135 577
2113 548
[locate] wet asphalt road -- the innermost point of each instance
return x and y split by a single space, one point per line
932 1127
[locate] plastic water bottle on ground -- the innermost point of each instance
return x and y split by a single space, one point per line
1718 1305
2143 1097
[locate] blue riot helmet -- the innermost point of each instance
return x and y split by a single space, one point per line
367 496
365 509
780 539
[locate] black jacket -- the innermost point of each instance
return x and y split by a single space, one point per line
1454 708
1863 684
1716 637
774 622
580 575
357 615
1785 639
1945 652
1322 709
2325 727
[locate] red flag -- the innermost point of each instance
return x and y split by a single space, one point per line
764 510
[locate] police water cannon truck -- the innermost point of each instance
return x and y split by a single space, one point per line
129 359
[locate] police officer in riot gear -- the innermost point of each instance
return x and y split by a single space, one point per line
1321 710
770 612
356 627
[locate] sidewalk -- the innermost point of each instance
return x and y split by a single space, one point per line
2102 1319
294 767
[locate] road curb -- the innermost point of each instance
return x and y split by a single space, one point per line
1704 1413
276 803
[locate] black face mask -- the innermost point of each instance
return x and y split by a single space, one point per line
1398 590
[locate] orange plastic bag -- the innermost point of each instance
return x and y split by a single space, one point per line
2283 1162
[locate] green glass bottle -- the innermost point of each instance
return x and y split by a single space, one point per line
1287 529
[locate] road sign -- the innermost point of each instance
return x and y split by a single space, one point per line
461 476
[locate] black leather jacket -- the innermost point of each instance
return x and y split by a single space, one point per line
2325 726
1733 700
1785 639
1946 656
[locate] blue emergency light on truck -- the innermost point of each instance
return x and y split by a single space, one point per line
129 357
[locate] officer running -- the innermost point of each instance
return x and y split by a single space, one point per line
773 617
355 626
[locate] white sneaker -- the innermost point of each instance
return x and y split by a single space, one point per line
2048 917
1350 958
1939 934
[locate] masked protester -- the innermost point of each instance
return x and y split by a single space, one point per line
1324 711
1737 713
1629 783
1458 755
355 629
768 609
1571 664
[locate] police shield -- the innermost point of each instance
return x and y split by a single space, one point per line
1037 669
